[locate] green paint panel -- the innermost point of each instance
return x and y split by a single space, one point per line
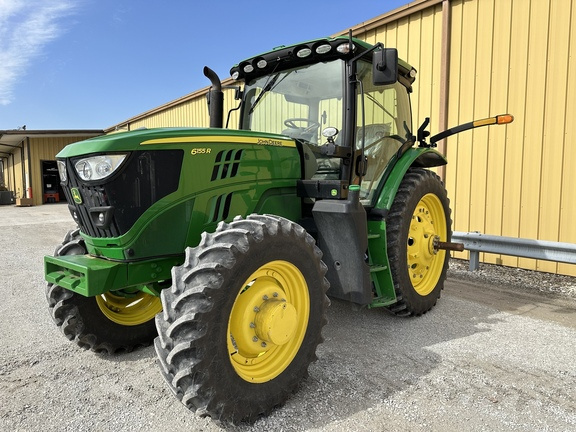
90 276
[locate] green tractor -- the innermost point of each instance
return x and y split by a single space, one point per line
222 245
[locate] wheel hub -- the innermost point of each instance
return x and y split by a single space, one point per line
426 229
276 321
268 321
421 242
262 318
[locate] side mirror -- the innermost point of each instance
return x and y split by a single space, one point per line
385 66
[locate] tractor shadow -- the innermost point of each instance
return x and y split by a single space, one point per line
370 355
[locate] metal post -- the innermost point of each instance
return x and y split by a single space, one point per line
444 80
474 261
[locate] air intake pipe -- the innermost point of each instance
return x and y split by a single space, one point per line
215 99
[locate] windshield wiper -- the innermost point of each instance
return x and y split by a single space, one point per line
272 82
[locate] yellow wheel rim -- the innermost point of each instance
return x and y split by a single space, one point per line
268 321
428 226
129 311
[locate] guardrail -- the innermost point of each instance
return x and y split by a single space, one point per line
476 242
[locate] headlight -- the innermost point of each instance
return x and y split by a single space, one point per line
62 171
98 167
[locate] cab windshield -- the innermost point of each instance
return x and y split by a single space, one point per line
298 102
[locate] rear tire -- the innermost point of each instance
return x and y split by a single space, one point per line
419 216
106 323
243 318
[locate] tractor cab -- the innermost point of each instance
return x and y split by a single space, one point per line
330 96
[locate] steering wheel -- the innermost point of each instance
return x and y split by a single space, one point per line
312 125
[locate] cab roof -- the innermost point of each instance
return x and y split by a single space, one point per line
309 52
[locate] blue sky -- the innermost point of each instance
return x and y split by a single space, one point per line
89 64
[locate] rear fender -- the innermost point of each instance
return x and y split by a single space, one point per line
417 157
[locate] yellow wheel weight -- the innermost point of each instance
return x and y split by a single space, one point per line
425 262
268 321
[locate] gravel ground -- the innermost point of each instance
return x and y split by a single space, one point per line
466 365
515 278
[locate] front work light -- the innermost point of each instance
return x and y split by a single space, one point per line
98 167
323 49
303 52
62 171
345 48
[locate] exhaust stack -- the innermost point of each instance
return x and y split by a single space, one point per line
215 99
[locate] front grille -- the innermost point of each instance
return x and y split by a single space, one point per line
92 197
143 179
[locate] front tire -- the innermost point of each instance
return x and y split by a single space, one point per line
107 323
243 318
419 218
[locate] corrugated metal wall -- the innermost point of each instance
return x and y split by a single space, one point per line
9 173
42 149
19 190
190 113
515 56
418 39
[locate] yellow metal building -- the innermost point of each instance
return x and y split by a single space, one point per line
28 164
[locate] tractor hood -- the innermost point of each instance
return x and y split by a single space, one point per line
130 141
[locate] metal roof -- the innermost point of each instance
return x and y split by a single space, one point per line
13 139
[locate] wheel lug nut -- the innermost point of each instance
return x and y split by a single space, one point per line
252 325
265 297
263 344
275 294
255 339
256 309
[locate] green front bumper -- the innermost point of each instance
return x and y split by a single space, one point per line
91 276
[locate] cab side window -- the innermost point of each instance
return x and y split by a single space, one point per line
387 125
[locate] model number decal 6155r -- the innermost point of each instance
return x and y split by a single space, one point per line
198 151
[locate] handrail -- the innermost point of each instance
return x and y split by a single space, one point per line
476 242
